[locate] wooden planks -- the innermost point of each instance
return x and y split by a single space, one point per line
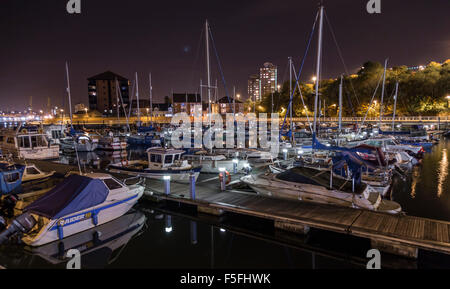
408 231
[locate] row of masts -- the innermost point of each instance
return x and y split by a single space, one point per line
291 68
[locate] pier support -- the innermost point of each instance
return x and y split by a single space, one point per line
395 248
210 210
292 227
192 185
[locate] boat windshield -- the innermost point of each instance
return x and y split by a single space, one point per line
24 141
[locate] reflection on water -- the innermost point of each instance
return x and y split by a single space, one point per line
425 192
442 172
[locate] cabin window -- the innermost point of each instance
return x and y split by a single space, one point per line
32 171
168 159
177 157
24 142
10 140
56 134
155 158
1 138
12 177
112 184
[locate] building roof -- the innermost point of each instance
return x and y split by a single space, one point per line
191 97
107 75
225 100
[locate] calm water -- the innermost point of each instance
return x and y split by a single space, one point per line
152 236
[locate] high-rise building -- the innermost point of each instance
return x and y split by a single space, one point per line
103 95
254 87
268 79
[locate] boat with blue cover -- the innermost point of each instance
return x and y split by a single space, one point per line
78 203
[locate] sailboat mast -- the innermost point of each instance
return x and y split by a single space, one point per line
319 56
208 69
395 105
137 101
117 101
291 100
340 106
68 92
151 98
382 93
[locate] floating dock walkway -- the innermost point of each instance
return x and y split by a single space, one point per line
397 234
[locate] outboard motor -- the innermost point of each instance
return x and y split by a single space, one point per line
7 206
22 224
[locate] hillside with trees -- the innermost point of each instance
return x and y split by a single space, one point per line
422 91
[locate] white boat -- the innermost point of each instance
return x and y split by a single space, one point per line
77 204
311 185
108 237
211 163
111 143
33 174
55 132
28 143
80 143
161 162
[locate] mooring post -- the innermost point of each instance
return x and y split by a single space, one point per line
193 232
192 182
235 163
222 178
166 185
285 154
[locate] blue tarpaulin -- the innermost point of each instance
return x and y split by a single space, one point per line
74 194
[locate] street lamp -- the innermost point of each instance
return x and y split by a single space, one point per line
314 79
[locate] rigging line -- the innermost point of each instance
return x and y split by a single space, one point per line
370 103
349 100
300 70
131 101
197 55
220 68
303 102
340 54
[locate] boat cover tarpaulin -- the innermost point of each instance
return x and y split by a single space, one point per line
74 194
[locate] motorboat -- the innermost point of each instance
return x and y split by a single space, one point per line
211 163
320 186
111 143
161 162
32 174
28 143
78 143
77 204
109 238
55 132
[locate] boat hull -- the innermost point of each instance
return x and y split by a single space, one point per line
106 212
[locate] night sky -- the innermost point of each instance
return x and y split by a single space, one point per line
164 37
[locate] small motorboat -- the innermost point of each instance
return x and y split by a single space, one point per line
78 143
32 175
77 204
211 163
111 143
161 162
108 238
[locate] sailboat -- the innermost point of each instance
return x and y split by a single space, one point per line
316 185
